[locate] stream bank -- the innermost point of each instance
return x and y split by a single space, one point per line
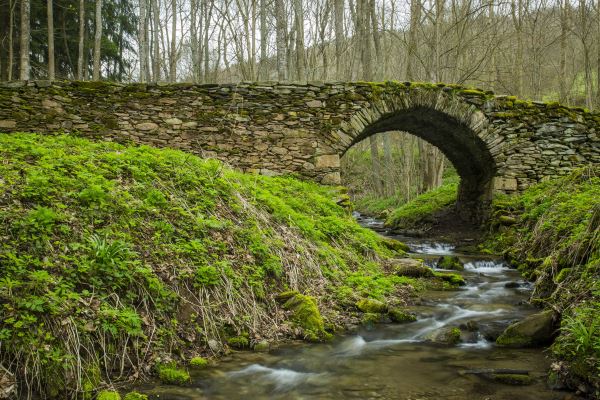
400 361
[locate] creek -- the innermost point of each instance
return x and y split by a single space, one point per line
396 361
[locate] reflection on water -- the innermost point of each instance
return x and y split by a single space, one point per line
395 361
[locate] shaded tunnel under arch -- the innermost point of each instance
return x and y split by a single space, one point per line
461 146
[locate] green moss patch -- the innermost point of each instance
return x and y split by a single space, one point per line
198 362
305 313
108 395
170 374
400 316
135 396
450 262
371 306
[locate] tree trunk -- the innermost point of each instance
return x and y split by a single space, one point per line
143 40
207 18
338 12
299 23
364 28
50 11
11 48
415 20
24 41
564 29
376 38
173 52
376 167
388 166
80 72
155 42
597 54
263 67
517 11
97 40
281 29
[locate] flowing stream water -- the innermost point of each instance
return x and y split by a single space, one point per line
392 361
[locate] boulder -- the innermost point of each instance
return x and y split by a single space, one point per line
410 267
371 306
535 330
446 335
395 245
262 346
304 313
400 316
450 262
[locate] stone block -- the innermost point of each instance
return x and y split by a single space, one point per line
146 126
327 161
7 123
332 178
505 184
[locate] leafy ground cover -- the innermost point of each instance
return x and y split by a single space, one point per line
123 262
422 210
551 232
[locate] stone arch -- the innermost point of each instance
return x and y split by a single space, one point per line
457 128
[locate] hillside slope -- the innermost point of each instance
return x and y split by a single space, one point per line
116 259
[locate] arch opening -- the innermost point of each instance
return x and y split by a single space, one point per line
465 150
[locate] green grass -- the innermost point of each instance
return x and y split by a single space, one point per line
110 255
419 210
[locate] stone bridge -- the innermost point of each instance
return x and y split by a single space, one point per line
496 143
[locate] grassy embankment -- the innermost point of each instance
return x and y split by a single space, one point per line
120 262
415 213
551 233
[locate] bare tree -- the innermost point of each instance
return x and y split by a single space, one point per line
11 48
281 39
173 47
97 40
263 68
338 13
80 70
50 12
143 40
24 40
155 41
299 27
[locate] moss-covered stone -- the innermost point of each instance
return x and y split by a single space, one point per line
451 278
447 335
262 346
305 313
400 316
513 379
239 342
370 319
108 395
170 374
396 245
367 305
535 330
450 262
198 362
135 396
410 267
